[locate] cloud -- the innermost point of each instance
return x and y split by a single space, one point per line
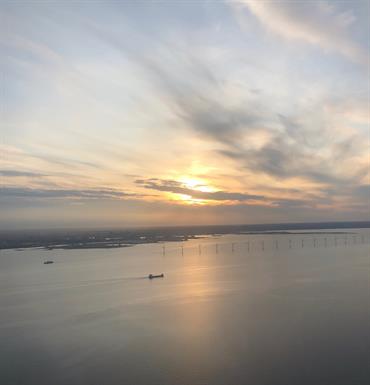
292 203
363 192
300 141
17 173
289 155
236 105
23 192
297 145
314 22
179 188
300 144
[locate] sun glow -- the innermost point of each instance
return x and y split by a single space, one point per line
192 184
196 184
186 199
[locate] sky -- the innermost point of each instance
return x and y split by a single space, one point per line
146 113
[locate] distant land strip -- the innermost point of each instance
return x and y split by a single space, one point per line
88 239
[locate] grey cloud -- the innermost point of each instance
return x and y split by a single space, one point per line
179 188
197 100
292 203
293 149
363 192
296 144
20 192
275 159
17 173
275 162
67 162
217 121
292 128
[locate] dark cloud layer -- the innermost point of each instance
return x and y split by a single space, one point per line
17 173
179 188
21 192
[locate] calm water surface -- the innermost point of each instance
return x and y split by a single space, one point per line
265 311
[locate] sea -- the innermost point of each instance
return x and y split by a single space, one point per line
263 308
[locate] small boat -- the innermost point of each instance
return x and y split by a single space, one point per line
151 276
48 262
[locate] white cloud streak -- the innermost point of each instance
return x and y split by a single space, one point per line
316 23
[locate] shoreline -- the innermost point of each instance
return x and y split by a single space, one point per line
99 240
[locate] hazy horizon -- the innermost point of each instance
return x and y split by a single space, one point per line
316 225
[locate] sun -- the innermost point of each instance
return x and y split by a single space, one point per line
189 200
196 184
